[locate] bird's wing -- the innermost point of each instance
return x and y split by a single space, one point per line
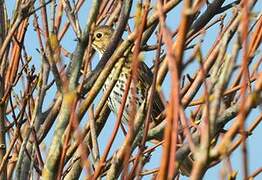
146 77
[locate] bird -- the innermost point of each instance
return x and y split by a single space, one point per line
101 38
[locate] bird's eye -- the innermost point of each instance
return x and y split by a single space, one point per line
99 35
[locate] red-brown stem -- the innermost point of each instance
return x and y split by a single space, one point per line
246 78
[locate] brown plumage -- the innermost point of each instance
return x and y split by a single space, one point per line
101 40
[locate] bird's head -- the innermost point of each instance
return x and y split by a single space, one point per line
101 38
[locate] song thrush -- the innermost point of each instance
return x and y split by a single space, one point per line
101 39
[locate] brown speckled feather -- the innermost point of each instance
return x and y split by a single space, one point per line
146 75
